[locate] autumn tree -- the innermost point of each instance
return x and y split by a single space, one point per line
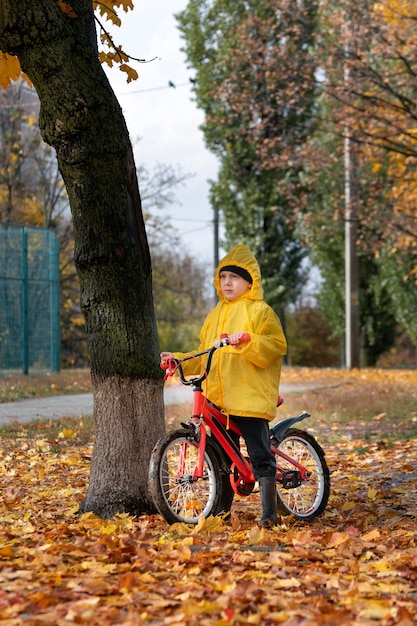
366 53
31 188
311 342
37 196
56 45
324 224
181 283
375 43
32 193
254 82
19 142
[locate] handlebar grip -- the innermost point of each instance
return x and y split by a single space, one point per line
170 367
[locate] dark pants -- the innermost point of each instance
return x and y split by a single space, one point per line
255 432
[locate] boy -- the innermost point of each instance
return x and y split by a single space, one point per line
244 376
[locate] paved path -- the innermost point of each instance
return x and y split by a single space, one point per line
54 407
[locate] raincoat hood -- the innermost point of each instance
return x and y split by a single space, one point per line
241 256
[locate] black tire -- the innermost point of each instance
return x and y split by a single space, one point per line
226 497
309 499
180 498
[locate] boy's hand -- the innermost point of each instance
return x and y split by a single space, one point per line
241 337
165 358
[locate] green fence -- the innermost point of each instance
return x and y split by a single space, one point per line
29 299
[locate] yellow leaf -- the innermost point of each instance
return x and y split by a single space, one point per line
348 506
108 529
99 568
131 73
109 6
178 528
382 566
372 493
286 583
67 433
256 535
373 534
338 538
210 525
375 609
72 512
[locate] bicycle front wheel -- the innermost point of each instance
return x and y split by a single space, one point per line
177 494
305 499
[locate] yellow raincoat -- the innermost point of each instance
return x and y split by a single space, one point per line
243 380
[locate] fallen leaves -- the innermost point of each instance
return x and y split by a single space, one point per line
356 565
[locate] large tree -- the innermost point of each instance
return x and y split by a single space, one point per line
80 117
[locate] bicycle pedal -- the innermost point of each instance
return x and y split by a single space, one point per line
291 479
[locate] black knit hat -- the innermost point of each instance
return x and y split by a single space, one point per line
240 271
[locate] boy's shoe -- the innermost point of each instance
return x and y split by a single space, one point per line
268 490
267 523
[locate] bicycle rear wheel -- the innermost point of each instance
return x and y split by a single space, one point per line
305 499
177 496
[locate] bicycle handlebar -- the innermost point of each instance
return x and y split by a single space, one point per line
173 365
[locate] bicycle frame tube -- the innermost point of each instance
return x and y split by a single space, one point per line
198 471
303 471
209 414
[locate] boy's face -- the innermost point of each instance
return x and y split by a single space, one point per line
232 285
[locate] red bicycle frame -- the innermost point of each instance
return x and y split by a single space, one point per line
207 415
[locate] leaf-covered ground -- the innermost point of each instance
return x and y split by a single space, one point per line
355 565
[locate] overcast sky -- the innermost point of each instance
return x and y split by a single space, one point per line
165 118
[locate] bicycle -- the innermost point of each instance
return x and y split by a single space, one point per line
193 473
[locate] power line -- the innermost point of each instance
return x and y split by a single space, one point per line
170 85
184 219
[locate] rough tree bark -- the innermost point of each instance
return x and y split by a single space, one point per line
81 118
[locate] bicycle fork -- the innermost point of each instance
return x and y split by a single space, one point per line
196 426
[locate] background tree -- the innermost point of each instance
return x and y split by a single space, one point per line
33 193
37 196
311 342
259 69
81 118
325 232
19 147
375 44
182 286
254 82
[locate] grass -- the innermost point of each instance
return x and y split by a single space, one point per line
18 386
368 412
365 405
58 433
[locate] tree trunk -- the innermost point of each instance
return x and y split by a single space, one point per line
81 118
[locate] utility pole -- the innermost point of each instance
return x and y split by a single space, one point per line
216 238
352 336
216 245
352 332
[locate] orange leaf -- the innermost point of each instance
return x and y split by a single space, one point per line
10 69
